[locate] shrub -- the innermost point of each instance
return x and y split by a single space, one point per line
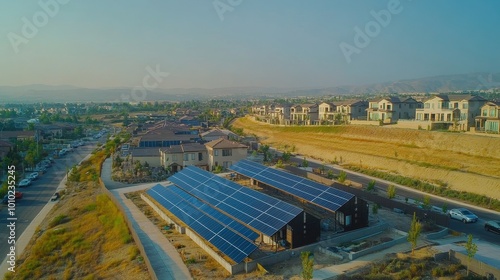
61 219
342 176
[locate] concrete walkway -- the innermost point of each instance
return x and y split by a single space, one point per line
164 258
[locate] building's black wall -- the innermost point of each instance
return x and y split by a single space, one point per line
299 234
358 211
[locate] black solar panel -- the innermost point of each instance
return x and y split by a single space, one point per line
319 194
260 211
226 234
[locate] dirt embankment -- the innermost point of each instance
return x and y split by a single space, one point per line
462 161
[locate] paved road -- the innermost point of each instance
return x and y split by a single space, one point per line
476 229
38 194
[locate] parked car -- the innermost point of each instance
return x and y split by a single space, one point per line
33 176
55 197
493 226
24 183
18 195
463 215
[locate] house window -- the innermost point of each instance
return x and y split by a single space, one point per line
492 112
427 105
192 156
465 106
186 157
174 157
216 152
227 153
200 156
227 164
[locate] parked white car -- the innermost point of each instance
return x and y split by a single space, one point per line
463 215
24 183
33 176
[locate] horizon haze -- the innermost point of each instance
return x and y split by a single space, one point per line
239 44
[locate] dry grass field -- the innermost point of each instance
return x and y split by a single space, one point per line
463 162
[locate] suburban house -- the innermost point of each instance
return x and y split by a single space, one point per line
392 109
327 112
218 133
280 114
351 109
15 135
176 157
262 110
189 121
457 111
223 152
489 120
149 155
304 114
167 136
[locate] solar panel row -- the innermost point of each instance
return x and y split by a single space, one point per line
210 228
260 211
324 196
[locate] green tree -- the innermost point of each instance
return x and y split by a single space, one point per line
264 149
286 156
391 191
375 208
342 177
471 248
307 265
371 186
305 163
279 164
414 232
426 204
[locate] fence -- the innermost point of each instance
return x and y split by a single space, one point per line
131 228
477 266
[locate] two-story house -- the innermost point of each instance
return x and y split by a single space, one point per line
489 120
223 152
391 109
176 157
351 110
280 114
304 114
327 112
456 111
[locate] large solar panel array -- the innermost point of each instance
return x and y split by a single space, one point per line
327 197
218 229
260 211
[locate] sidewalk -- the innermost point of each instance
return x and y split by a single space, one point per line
164 258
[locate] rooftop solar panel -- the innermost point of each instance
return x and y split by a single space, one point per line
316 193
260 211
219 230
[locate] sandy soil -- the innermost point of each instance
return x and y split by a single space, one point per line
462 161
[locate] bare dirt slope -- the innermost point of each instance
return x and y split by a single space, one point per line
462 161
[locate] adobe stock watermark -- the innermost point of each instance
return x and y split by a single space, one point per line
224 6
363 37
487 83
30 27
152 80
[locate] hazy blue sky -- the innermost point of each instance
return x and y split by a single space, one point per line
95 43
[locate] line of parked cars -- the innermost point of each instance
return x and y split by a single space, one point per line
467 216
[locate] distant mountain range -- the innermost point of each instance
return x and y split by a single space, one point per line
66 93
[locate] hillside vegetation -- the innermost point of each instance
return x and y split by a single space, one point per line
84 236
459 161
